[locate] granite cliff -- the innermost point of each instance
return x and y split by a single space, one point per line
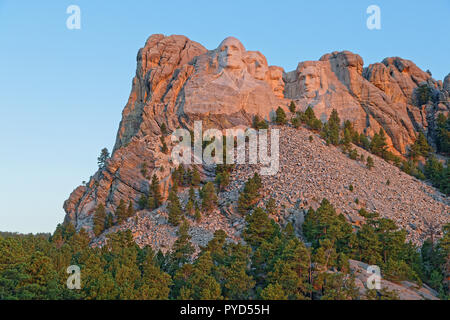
178 81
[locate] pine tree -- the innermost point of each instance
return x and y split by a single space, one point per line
443 133
209 197
280 116
190 208
259 228
292 107
271 206
198 214
163 129
295 122
121 211
420 148
250 194
273 292
182 248
200 284
164 148
130 209
330 131
364 142
142 202
174 208
103 158
369 163
150 204
155 192
378 145
259 123
99 220
195 181
232 268
223 180
191 204
156 283
109 221
347 138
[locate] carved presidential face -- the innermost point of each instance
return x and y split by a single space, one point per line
309 79
231 53
256 65
276 80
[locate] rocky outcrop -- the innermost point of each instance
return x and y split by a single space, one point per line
405 290
178 81
310 171
381 95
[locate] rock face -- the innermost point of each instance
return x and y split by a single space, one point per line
381 95
310 171
404 290
178 81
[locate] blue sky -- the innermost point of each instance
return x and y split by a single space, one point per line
62 91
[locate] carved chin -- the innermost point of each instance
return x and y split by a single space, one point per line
231 64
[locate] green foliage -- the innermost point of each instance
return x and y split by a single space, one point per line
379 241
271 206
144 170
223 173
250 195
195 282
103 158
99 220
439 175
195 180
209 197
182 249
325 224
273 292
154 199
180 177
353 154
155 193
309 118
369 164
378 145
259 123
364 142
280 116
423 94
260 228
420 148
34 267
121 211
164 148
274 264
339 286
412 169
296 122
163 129
292 107
331 129
174 209
443 133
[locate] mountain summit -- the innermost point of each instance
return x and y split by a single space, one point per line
179 81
